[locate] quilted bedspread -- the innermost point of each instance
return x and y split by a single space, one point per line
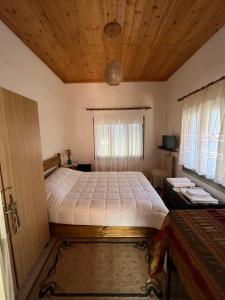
104 199
195 241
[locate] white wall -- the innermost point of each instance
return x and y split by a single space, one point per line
206 65
126 94
23 72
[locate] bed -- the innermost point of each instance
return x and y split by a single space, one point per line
102 204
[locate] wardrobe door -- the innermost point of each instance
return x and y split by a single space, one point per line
22 180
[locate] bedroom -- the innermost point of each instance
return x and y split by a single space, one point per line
55 53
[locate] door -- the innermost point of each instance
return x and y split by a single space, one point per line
22 181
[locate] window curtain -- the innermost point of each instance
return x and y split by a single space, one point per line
202 146
118 140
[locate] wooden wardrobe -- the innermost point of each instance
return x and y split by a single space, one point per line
22 182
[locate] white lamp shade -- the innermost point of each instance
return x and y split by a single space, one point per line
113 73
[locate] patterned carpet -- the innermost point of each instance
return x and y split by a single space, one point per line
96 269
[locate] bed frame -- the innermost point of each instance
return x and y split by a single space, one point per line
51 164
87 231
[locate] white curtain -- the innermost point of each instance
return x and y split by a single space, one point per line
202 146
6 280
118 140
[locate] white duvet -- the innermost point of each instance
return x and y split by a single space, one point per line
103 198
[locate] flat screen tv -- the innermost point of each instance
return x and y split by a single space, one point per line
169 141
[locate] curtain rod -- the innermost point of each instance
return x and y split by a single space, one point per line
200 89
121 108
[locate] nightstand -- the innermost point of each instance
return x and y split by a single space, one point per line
84 167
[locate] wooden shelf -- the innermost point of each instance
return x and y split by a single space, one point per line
167 149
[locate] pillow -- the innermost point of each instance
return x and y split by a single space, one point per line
60 182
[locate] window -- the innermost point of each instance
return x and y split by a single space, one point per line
119 137
119 140
203 130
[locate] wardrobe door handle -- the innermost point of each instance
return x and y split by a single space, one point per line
6 189
16 219
12 209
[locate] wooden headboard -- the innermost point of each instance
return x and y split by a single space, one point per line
53 162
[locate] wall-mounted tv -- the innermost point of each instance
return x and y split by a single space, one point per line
169 142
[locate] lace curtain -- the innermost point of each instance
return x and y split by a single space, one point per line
118 140
202 146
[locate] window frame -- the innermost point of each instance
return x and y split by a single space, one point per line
213 184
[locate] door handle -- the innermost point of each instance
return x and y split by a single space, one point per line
15 215
12 210
6 189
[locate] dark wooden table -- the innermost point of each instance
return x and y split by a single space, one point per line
175 200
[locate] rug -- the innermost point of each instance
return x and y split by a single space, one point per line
96 269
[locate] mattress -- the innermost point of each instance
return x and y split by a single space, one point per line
103 198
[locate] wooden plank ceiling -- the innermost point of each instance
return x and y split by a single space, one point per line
157 36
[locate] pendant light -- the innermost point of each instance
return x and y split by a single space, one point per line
113 72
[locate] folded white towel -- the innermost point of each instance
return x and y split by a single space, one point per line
196 199
179 179
183 185
209 200
180 184
198 193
